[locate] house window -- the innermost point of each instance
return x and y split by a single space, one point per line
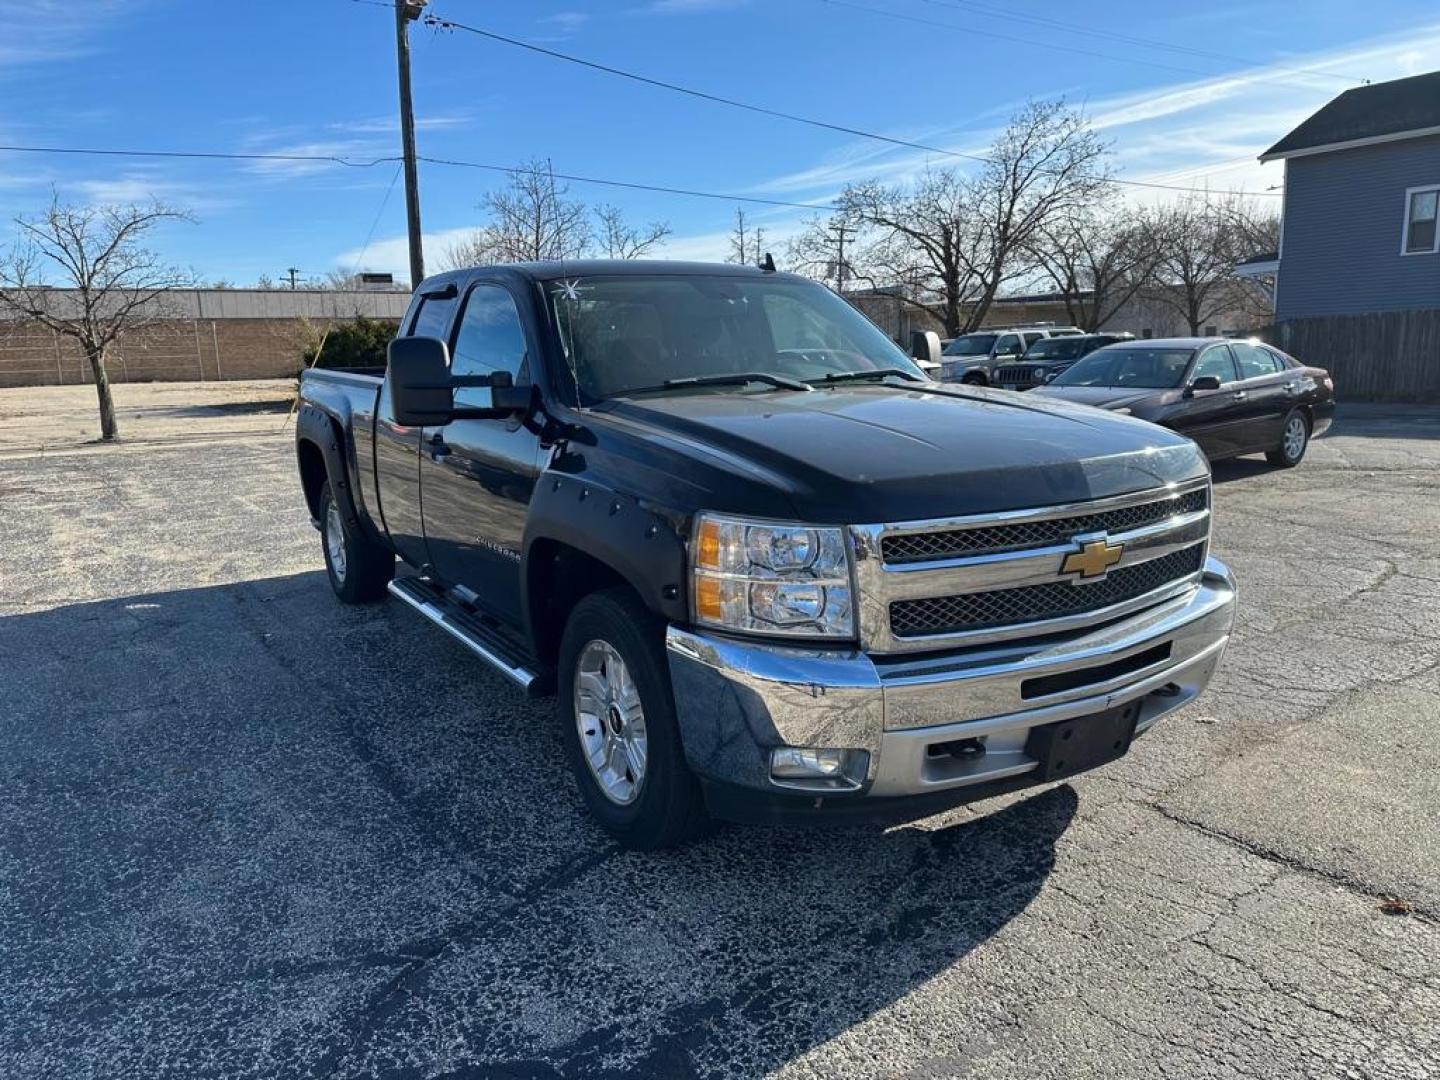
1420 213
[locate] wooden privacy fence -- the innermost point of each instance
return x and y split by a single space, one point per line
1385 356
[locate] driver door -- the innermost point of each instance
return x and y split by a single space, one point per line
477 476
1209 416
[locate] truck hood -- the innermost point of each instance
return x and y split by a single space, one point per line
878 453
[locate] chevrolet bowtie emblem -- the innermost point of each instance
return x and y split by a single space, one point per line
1093 559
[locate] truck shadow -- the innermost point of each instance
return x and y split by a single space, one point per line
252 784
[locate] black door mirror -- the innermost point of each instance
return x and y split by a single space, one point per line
418 377
1205 382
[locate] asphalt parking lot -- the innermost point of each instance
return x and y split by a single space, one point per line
246 831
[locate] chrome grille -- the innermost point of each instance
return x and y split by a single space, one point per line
986 539
1033 603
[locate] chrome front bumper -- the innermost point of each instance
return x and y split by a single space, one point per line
737 700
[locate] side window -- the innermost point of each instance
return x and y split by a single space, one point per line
1030 339
1216 361
433 318
1008 345
490 339
1254 361
1422 208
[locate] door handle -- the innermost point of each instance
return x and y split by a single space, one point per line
438 448
1239 395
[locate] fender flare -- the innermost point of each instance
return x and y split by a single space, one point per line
643 544
315 425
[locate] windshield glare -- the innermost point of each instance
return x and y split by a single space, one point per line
970 345
1060 348
627 332
1143 369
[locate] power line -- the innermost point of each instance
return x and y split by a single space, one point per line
322 158
1078 28
634 186
450 24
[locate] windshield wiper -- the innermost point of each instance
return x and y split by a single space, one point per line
875 373
780 382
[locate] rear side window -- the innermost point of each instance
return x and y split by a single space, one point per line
433 318
490 338
1215 361
1030 339
1254 361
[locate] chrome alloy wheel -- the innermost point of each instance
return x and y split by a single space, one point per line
611 722
335 541
1295 433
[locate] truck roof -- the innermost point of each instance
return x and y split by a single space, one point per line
568 268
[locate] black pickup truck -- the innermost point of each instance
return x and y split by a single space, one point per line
770 571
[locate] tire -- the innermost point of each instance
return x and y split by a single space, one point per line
975 379
662 806
358 568
1294 438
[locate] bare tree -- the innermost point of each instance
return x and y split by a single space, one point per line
113 283
621 240
532 218
739 239
951 240
1200 239
1097 259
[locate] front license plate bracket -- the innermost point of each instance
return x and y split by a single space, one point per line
1072 746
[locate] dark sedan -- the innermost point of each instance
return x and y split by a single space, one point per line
1231 397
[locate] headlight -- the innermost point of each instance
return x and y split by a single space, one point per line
767 578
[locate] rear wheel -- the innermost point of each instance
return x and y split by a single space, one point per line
358 568
1294 438
617 719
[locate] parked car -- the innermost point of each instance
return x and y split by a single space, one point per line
767 569
1231 397
1048 357
973 358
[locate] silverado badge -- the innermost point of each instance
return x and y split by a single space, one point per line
1094 558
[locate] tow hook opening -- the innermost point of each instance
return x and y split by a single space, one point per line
964 749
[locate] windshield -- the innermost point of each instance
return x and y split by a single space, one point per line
970 345
1145 369
628 333
1056 348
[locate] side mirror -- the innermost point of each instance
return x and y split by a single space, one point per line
422 390
925 347
1205 382
418 377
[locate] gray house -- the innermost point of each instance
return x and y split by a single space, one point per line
1362 182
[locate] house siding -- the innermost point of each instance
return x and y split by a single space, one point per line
1344 212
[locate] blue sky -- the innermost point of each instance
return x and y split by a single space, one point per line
317 76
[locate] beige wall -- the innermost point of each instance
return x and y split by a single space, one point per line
173 350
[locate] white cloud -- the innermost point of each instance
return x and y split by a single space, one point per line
389 125
324 150
689 7
392 253
567 21
1189 133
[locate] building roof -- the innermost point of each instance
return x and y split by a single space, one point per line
1381 112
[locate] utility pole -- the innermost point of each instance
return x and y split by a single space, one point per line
290 272
839 234
406 12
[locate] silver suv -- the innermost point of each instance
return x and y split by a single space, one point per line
973 358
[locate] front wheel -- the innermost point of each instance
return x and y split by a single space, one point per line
358 568
974 379
617 719
1294 438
